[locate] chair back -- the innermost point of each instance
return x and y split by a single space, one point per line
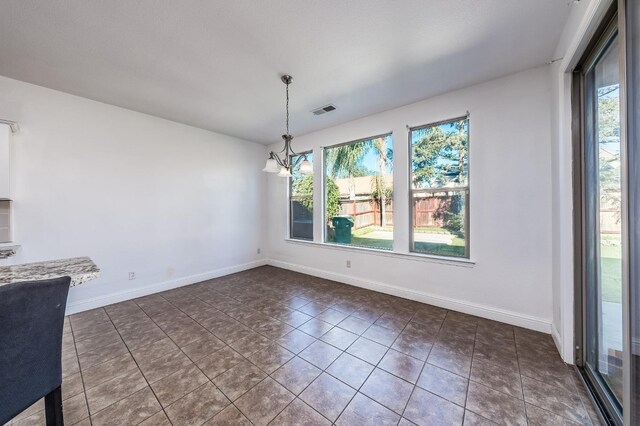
31 325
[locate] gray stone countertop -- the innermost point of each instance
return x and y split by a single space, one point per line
80 269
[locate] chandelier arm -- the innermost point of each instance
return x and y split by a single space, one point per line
278 160
292 151
299 160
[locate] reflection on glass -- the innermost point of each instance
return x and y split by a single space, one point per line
439 187
301 202
605 353
359 193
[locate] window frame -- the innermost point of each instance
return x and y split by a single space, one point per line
290 199
466 189
324 192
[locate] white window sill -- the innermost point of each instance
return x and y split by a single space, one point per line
452 261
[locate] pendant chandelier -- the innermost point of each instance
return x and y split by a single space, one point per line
283 162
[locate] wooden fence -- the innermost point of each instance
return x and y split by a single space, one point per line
367 211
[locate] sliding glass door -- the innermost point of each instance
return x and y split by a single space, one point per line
632 59
606 103
603 220
601 161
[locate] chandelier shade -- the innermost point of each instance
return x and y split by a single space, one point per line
284 172
305 167
271 166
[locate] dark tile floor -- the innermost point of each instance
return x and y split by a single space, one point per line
269 346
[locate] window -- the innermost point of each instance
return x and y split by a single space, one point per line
359 193
301 202
5 221
440 188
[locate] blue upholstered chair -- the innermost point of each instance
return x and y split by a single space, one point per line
31 324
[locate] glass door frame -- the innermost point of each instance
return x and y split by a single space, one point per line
631 116
612 26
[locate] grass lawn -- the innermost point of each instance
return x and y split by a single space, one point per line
367 230
456 248
371 243
359 239
611 265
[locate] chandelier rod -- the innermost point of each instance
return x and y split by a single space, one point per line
287 81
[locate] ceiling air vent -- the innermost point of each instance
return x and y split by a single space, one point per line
324 109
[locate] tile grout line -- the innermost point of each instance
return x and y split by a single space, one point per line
232 402
423 365
524 402
274 341
180 349
138 366
467 378
313 292
374 368
84 390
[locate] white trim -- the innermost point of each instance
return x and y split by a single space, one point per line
581 36
453 261
557 339
13 125
97 302
497 314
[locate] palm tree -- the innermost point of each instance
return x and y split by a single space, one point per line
379 145
344 161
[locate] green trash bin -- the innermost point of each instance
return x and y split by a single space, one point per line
343 225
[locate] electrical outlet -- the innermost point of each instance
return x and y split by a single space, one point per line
258 251
348 264
132 275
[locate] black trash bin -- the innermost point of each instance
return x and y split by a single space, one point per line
343 225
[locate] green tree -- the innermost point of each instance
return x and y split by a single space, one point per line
440 159
609 152
303 188
450 211
609 114
333 198
440 155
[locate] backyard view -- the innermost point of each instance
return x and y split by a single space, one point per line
359 202
439 188
359 193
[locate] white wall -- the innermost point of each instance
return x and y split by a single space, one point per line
510 178
5 163
171 202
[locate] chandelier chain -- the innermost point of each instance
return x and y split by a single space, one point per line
287 108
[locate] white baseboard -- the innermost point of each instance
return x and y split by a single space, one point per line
509 317
557 339
496 314
97 302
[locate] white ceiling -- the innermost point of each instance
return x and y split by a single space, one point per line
216 64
